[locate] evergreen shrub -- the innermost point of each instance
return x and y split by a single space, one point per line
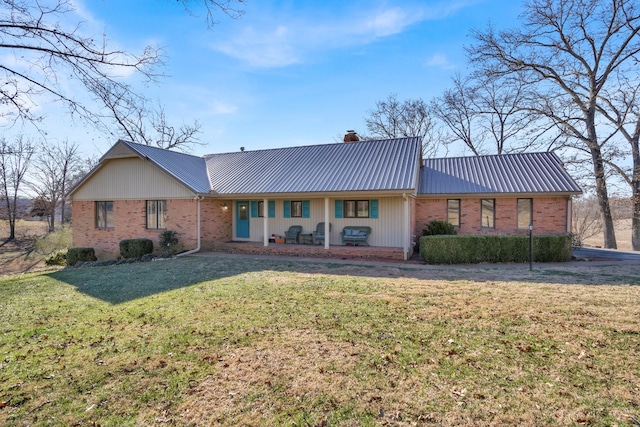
135 248
491 248
76 255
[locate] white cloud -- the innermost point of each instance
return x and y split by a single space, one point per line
218 108
262 48
440 61
291 39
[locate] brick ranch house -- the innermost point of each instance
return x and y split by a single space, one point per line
238 201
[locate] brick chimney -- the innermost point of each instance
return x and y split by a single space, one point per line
351 136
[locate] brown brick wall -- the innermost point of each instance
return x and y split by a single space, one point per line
216 222
549 215
315 251
129 217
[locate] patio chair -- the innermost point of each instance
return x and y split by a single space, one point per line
292 234
318 235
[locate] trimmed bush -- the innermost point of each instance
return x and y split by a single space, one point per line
169 242
76 255
438 227
482 248
135 248
58 258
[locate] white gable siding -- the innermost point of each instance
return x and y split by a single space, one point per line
131 179
120 150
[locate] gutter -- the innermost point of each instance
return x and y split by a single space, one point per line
197 249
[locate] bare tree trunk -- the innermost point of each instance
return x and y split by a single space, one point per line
14 163
601 182
603 200
635 186
63 204
635 224
12 221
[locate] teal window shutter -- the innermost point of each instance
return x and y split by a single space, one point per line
254 209
272 209
287 209
373 208
306 209
338 210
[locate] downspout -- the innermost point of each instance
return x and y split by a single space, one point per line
569 215
197 249
405 226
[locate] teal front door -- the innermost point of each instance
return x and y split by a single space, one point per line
242 219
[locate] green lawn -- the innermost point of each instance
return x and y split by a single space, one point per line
225 341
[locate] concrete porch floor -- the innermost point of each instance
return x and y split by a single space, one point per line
311 251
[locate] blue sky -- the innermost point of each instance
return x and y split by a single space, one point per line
288 72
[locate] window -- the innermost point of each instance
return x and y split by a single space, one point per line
104 214
453 212
292 209
157 214
525 209
258 211
296 209
488 213
243 211
356 209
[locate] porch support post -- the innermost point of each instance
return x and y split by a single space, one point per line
327 227
265 222
405 226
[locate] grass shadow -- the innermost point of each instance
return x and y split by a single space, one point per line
122 283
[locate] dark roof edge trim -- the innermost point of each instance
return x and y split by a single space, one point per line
499 195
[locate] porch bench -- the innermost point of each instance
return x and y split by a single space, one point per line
355 234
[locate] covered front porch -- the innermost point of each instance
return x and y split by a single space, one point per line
312 251
262 221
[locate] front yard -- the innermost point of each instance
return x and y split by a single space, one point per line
222 341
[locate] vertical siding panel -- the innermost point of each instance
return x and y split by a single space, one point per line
386 229
131 179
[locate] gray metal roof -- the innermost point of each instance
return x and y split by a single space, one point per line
506 173
188 169
383 165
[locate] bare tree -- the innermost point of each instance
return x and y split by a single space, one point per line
489 115
392 118
619 105
567 50
15 158
457 111
138 123
586 219
504 116
49 52
230 8
51 176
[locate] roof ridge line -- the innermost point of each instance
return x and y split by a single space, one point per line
489 155
313 145
130 143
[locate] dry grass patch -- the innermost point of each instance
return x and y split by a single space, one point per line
262 381
17 256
